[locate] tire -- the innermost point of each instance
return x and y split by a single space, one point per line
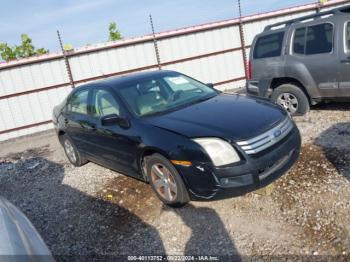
291 98
178 195
70 149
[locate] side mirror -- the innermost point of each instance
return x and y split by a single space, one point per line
210 85
114 119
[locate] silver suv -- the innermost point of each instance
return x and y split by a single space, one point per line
303 61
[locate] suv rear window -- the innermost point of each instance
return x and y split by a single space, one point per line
268 46
317 39
299 41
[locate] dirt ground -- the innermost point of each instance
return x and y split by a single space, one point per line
93 211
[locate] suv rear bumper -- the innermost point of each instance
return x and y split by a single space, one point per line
252 88
259 88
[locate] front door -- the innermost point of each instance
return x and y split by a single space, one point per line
76 119
114 146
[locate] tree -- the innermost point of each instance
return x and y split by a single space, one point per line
26 49
7 53
68 47
114 34
41 51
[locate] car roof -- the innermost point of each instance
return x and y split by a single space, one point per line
123 80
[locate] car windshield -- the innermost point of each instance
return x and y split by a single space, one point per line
163 93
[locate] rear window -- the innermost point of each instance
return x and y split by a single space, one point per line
269 46
78 102
317 39
299 41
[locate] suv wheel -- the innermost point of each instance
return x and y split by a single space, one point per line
72 152
291 98
166 181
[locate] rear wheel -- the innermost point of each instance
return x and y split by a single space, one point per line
291 98
166 181
72 153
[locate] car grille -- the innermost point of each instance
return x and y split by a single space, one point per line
267 139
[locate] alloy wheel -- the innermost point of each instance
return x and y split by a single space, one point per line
70 151
289 102
163 182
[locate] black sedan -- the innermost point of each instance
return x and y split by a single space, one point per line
188 140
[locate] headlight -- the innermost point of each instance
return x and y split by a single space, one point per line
219 151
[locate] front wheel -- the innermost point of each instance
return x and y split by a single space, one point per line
166 181
291 98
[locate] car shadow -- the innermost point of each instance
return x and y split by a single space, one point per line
335 142
78 226
73 224
209 235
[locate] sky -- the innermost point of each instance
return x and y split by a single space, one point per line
84 22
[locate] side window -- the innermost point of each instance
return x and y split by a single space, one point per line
347 36
78 102
317 39
269 46
104 103
299 41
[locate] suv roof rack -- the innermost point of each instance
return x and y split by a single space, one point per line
303 18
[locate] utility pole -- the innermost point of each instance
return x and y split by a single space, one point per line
155 43
241 34
69 71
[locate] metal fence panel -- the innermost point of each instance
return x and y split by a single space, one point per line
30 88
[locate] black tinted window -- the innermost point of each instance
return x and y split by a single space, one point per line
319 39
313 40
78 102
269 45
299 41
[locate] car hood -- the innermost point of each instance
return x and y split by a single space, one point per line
232 117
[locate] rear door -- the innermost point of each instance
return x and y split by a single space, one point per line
344 57
76 118
313 54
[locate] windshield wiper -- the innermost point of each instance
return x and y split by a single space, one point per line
201 99
160 112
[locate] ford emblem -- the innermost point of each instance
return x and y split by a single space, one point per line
277 133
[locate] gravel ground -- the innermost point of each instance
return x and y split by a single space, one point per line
94 211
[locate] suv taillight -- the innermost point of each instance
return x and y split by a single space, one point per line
249 70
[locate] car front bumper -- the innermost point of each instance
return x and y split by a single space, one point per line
206 182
